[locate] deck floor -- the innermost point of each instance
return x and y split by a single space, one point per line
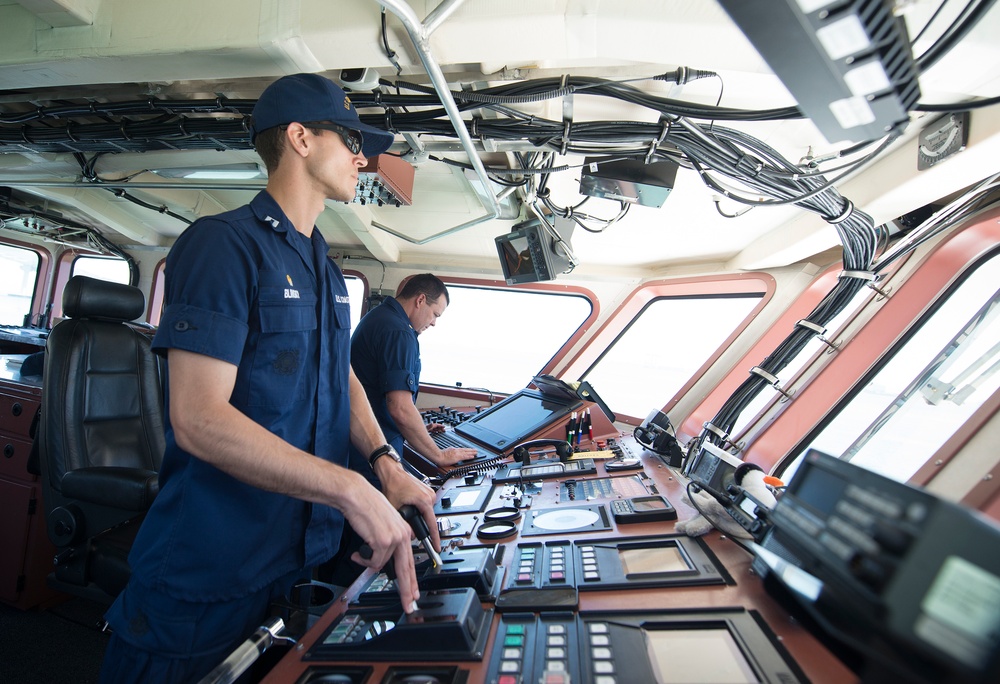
62 643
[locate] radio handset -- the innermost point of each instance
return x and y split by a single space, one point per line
657 435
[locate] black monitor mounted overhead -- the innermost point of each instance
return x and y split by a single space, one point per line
531 252
847 64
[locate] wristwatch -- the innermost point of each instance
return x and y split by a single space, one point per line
384 450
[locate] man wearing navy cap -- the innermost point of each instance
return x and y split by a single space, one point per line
262 406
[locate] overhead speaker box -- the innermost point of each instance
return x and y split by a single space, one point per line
628 180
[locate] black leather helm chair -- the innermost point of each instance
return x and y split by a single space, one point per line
100 436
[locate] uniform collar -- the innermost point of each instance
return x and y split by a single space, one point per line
267 210
398 309
270 213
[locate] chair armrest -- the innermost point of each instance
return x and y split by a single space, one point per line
132 489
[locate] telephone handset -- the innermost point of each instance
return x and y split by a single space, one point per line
656 434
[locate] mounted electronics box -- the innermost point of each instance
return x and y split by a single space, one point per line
385 180
628 180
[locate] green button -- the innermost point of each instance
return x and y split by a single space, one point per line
513 640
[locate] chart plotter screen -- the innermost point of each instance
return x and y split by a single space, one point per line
516 418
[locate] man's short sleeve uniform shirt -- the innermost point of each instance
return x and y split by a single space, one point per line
385 354
246 288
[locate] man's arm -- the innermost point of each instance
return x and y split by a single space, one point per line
209 427
408 420
398 486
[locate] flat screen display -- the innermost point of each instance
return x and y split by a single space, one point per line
820 489
525 254
515 419
697 656
516 258
650 560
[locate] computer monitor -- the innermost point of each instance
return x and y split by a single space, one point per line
528 254
516 419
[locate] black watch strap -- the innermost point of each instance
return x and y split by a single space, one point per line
384 450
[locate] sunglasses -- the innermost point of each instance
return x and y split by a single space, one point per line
352 138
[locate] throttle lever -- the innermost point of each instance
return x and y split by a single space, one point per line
417 523
412 516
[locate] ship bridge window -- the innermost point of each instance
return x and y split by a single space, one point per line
356 291
112 269
499 339
929 388
661 349
18 275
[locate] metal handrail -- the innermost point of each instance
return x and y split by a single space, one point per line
420 35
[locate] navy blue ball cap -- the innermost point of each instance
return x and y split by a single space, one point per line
305 98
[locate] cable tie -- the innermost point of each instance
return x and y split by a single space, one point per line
387 117
772 380
868 276
815 327
819 330
862 275
567 114
716 431
69 132
650 151
664 131
753 169
848 210
24 135
121 129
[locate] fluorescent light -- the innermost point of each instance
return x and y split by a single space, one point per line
246 171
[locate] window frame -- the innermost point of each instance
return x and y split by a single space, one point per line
39 294
943 267
745 284
490 284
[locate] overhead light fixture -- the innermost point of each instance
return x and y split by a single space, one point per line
247 171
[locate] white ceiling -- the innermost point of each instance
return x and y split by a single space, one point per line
110 50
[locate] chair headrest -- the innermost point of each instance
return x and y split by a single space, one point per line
85 297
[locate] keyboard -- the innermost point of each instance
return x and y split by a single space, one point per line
447 440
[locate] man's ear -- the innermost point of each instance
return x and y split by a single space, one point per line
295 138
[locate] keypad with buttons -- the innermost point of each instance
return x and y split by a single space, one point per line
542 565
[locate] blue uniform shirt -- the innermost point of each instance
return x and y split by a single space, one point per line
385 355
247 288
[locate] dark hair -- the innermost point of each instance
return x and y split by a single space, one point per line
426 284
270 143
